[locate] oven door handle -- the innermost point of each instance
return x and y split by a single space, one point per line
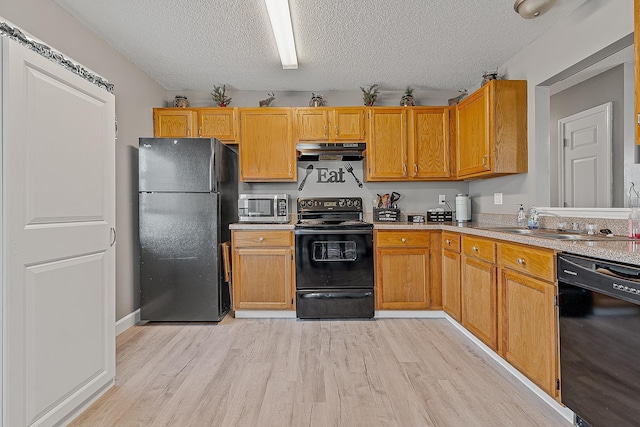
334 295
324 231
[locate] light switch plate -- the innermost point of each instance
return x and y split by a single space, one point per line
497 198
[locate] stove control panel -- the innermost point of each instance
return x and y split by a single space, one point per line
324 204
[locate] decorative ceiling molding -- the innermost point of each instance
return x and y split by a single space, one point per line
16 34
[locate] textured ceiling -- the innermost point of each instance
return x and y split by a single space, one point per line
341 44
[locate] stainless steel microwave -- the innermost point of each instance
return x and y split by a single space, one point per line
263 208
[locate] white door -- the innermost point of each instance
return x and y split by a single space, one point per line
585 158
58 214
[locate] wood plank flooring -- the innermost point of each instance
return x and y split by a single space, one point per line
283 372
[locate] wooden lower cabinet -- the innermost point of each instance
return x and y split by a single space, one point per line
528 328
479 312
527 317
451 265
263 270
402 269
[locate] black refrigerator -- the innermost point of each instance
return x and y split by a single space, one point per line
188 195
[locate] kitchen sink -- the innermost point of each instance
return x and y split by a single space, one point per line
555 234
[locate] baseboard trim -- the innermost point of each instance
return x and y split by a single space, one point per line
257 314
127 321
409 314
562 410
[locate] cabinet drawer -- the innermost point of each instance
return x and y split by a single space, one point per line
402 239
537 262
264 238
480 248
451 241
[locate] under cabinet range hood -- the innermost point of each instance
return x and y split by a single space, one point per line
312 151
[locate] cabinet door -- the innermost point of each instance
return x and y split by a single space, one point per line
528 328
451 283
473 145
429 143
479 300
387 144
402 278
267 149
174 123
313 124
262 278
217 123
347 124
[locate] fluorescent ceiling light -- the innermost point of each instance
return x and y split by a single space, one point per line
282 30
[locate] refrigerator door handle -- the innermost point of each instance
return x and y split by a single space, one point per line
112 232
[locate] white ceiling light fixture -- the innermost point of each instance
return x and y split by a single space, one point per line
530 9
283 31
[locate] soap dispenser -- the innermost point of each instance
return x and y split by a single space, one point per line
521 220
533 218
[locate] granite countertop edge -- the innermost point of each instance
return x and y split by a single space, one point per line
620 251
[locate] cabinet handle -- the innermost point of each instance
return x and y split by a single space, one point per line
289 169
199 131
336 131
485 161
404 169
415 169
403 240
475 249
520 261
448 241
325 131
261 239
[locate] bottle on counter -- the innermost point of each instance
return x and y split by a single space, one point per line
521 220
634 223
533 218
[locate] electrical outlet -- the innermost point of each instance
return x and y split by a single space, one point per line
441 199
497 198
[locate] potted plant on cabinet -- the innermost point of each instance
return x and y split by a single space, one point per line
407 99
219 96
369 95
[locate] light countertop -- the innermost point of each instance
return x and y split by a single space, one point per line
614 250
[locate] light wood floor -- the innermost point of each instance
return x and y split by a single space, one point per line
283 372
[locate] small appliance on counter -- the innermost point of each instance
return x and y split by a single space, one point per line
263 208
439 215
463 208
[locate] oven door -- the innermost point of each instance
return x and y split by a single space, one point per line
334 259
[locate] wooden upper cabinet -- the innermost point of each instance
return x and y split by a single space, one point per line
313 124
636 35
408 143
387 157
217 123
330 124
429 146
491 130
267 149
174 123
347 124
195 123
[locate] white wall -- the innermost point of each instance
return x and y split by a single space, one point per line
136 95
592 27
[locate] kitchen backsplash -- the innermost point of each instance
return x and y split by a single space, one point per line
332 179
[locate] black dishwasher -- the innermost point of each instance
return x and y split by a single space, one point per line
599 307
